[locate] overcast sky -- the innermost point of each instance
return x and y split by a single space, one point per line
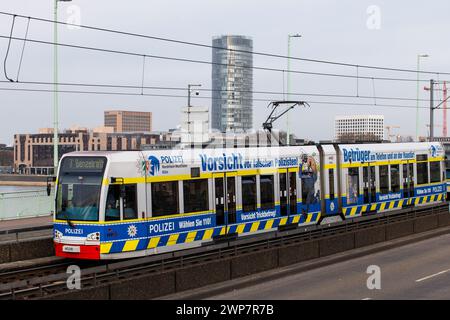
390 34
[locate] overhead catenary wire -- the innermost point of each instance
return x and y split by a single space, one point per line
228 49
136 54
7 50
23 50
202 97
102 85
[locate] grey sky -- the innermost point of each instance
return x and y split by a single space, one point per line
332 30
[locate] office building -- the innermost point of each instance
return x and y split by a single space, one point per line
359 128
128 121
6 159
232 84
33 153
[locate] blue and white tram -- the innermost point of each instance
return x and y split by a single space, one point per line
121 204
382 177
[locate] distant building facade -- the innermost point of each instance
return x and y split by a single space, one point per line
359 128
6 159
33 153
128 121
232 84
194 124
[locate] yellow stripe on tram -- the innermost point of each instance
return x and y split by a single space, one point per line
208 234
130 245
269 224
191 236
173 239
105 247
255 226
153 242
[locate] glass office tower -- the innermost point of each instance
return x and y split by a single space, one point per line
232 84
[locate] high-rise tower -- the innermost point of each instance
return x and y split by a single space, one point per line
232 84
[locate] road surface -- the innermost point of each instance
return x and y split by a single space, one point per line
416 271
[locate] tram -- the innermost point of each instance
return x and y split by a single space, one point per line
123 204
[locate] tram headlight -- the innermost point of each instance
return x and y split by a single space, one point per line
58 234
95 236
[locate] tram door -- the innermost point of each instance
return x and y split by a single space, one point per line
408 180
225 198
369 186
288 192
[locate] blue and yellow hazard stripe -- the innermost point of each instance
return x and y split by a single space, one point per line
206 234
381 206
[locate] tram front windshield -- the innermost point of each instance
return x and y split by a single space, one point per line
79 186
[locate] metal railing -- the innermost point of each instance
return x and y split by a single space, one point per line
109 272
25 204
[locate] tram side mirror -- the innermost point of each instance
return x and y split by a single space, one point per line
116 180
49 184
122 186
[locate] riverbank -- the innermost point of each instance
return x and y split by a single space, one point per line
23 183
21 180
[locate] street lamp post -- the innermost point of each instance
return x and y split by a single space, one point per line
417 102
55 94
289 83
189 105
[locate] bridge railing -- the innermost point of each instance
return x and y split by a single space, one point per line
25 204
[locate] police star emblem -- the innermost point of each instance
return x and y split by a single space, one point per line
132 231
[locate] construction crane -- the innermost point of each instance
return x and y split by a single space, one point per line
389 131
444 107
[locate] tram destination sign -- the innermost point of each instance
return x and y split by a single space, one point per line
78 164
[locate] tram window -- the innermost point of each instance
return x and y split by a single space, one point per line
195 172
421 157
130 202
353 185
267 192
435 171
331 182
395 178
195 195
422 172
249 193
384 179
113 203
164 198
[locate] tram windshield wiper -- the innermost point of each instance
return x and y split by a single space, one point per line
70 223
